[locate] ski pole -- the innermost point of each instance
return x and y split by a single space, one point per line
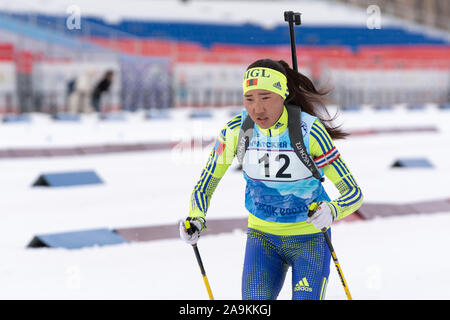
336 263
313 209
293 18
200 264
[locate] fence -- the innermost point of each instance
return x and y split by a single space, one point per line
360 82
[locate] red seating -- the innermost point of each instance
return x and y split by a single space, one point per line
6 51
315 57
370 57
406 52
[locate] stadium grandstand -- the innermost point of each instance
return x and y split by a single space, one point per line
191 53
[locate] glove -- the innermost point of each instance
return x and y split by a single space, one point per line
191 228
321 214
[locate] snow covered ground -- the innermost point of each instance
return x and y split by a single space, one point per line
390 258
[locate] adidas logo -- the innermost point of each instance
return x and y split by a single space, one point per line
277 85
303 285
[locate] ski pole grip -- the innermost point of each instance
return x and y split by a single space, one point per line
312 208
187 226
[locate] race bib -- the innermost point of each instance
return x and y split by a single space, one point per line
274 165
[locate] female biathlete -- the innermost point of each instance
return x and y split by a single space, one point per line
280 188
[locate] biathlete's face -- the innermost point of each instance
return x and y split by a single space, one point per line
264 107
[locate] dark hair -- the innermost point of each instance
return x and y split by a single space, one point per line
304 94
